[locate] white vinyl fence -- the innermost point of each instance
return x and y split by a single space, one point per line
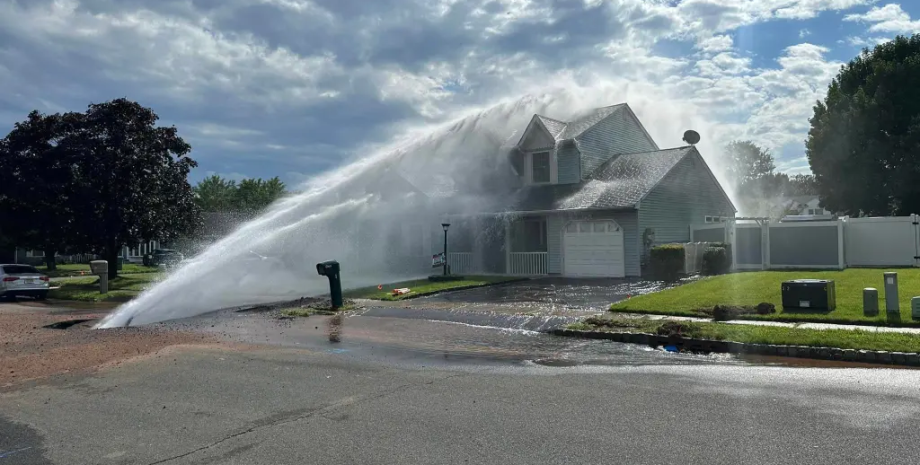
529 263
460 262
831 244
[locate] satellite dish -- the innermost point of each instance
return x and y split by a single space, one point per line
691 137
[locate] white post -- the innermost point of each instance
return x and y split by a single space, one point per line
507 224
840 248
914 221
765 244
730 239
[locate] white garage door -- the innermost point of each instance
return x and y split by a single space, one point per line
593 249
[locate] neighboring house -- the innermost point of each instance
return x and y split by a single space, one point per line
593 195
805 205
129 254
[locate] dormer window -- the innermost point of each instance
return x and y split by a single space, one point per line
541 168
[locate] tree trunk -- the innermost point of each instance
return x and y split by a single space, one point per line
50 262
111 255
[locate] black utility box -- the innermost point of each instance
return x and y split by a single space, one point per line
809 294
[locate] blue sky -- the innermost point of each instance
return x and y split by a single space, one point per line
291 88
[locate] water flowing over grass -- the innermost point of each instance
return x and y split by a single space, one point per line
751 288
121 289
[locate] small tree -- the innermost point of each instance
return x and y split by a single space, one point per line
255 194
215 194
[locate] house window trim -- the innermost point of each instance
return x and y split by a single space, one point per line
553 168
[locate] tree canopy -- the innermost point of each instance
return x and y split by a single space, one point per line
751 171
216 194
96 181
864 141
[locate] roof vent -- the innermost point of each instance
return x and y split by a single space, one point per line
691 137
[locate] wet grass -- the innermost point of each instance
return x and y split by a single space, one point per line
75 269
751 288
422 287
310 311
121 289
837 338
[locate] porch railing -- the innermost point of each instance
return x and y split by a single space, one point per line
460 262
529 263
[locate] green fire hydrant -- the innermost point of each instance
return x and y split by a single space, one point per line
330 269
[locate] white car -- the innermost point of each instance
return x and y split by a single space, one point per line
22 280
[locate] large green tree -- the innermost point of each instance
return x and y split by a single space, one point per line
747 165
132 179
216 194
864 141
37 183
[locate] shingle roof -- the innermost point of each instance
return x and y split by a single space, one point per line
580 123
555 127
619 183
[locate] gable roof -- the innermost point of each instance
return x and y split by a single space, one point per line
555 127
621 182
582 122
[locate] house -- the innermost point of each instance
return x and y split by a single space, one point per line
805 205
594 194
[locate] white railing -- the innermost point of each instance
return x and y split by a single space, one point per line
460 262
529 263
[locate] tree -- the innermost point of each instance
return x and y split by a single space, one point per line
215 194
864 140
132 181
37 185
255 194
747 164
800 184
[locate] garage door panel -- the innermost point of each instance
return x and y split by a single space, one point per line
593 248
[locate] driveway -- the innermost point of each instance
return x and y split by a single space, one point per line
594 294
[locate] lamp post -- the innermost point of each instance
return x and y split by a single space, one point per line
445 226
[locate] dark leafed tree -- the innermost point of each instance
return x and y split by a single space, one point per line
255 194
864 141
37 183
748 165
215 194
133 179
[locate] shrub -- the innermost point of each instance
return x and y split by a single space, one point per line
716 260
667 261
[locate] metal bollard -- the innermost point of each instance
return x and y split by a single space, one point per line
891 293
870 301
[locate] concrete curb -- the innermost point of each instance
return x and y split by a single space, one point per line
706 345
461 288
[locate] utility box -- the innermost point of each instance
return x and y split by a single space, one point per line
809 294
99 267
915 308
870 301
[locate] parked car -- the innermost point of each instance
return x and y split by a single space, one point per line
22 280
166 257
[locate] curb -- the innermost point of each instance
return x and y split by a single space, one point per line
461 288
706 345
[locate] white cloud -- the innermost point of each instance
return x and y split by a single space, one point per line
865 41
804 33
716 43
889 18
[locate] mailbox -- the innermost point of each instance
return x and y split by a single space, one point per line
99 267
330 269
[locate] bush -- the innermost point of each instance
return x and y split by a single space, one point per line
716 260
667 261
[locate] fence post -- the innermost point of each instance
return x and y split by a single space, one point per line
840 256
914 222
730 239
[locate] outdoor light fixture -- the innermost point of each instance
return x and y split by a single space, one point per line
446 268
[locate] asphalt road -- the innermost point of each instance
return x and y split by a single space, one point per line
375 402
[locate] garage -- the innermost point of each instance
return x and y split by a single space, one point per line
593 249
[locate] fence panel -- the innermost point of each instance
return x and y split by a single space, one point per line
806 245
707 233
884 241
460 262
748 247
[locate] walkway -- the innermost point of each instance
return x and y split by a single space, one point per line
821 326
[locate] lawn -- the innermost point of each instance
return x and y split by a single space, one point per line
752 288
420 287
75 269
122 288
839 338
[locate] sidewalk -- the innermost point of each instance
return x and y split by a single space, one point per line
819 326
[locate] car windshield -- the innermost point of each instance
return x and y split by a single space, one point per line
19 269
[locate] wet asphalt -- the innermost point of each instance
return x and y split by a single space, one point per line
455 381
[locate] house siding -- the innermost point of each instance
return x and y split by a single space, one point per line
628 220
569 164
618 133
684 197
538 139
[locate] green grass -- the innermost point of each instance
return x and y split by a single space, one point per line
75 269
121 289
839 338
753 288
420 287
310 311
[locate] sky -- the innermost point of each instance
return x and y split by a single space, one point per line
293 88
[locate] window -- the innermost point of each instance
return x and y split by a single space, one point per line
713 219
35 253
541 167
